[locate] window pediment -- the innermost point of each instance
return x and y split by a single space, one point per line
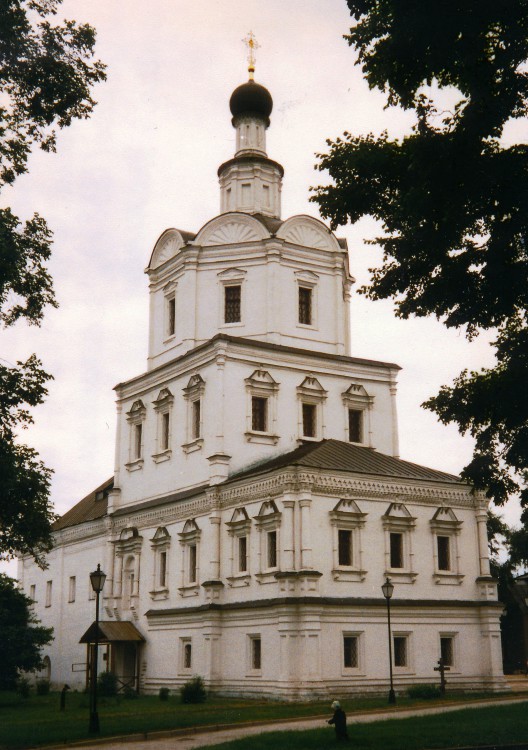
311 387
137 411
398 515
356 396
261 379
232 274
191 532
240 522
446 520
195 386
165 398
161 537
347 514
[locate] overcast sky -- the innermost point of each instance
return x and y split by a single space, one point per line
146 160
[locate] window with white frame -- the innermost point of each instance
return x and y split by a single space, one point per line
447 649
311 397
71 589
261 394
33 592
49 589
268 523
136 419
231 282
194 394
185 654
190 544
306 298
128 565
351 651
445 530
255 653
347 521
163 408
170 309
239 528
358 406
160 544
399 526
400 651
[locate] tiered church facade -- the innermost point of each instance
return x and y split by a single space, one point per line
258 502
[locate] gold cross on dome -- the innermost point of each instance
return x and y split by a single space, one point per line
252 45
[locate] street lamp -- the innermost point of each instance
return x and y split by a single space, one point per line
388 588
97 579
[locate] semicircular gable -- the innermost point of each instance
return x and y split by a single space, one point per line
308 232
231 229
167 246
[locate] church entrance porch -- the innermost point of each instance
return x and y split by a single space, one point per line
119 651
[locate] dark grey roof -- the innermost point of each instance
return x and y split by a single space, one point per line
335 455
90 508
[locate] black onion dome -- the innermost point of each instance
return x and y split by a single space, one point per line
251 98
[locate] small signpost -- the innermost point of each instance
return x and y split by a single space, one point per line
442 669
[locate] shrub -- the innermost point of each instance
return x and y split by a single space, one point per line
129 692
23 687
424 691
193 691
43 687
164 694
107 684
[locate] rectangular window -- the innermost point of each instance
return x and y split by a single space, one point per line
305 306
259 414
187 655
171 316
447 651
442 546
309 420
162 568
400 651
345 547
266 196
396 550
196 419
165 431
272 549
71 589
242 554
48 593
138 439
33 592
256 653
192 563
232 304
350 652
354 425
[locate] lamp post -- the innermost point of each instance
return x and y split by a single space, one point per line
97 579
388 588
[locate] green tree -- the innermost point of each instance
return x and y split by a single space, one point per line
21 635
452 200
46 73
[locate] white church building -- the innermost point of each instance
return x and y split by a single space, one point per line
258 502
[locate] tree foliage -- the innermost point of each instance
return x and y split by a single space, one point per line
46 74
21 635
452 198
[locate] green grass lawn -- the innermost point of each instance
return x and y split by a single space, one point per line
469 727
38 720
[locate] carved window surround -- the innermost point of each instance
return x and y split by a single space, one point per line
193 394
268 522
163 408
239 527
356 397
135 418
190 564
261 384
444 523
311 392
347 516
398 520
160 544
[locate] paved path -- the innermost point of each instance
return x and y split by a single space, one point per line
190 739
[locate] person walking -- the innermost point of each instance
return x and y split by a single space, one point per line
339 721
